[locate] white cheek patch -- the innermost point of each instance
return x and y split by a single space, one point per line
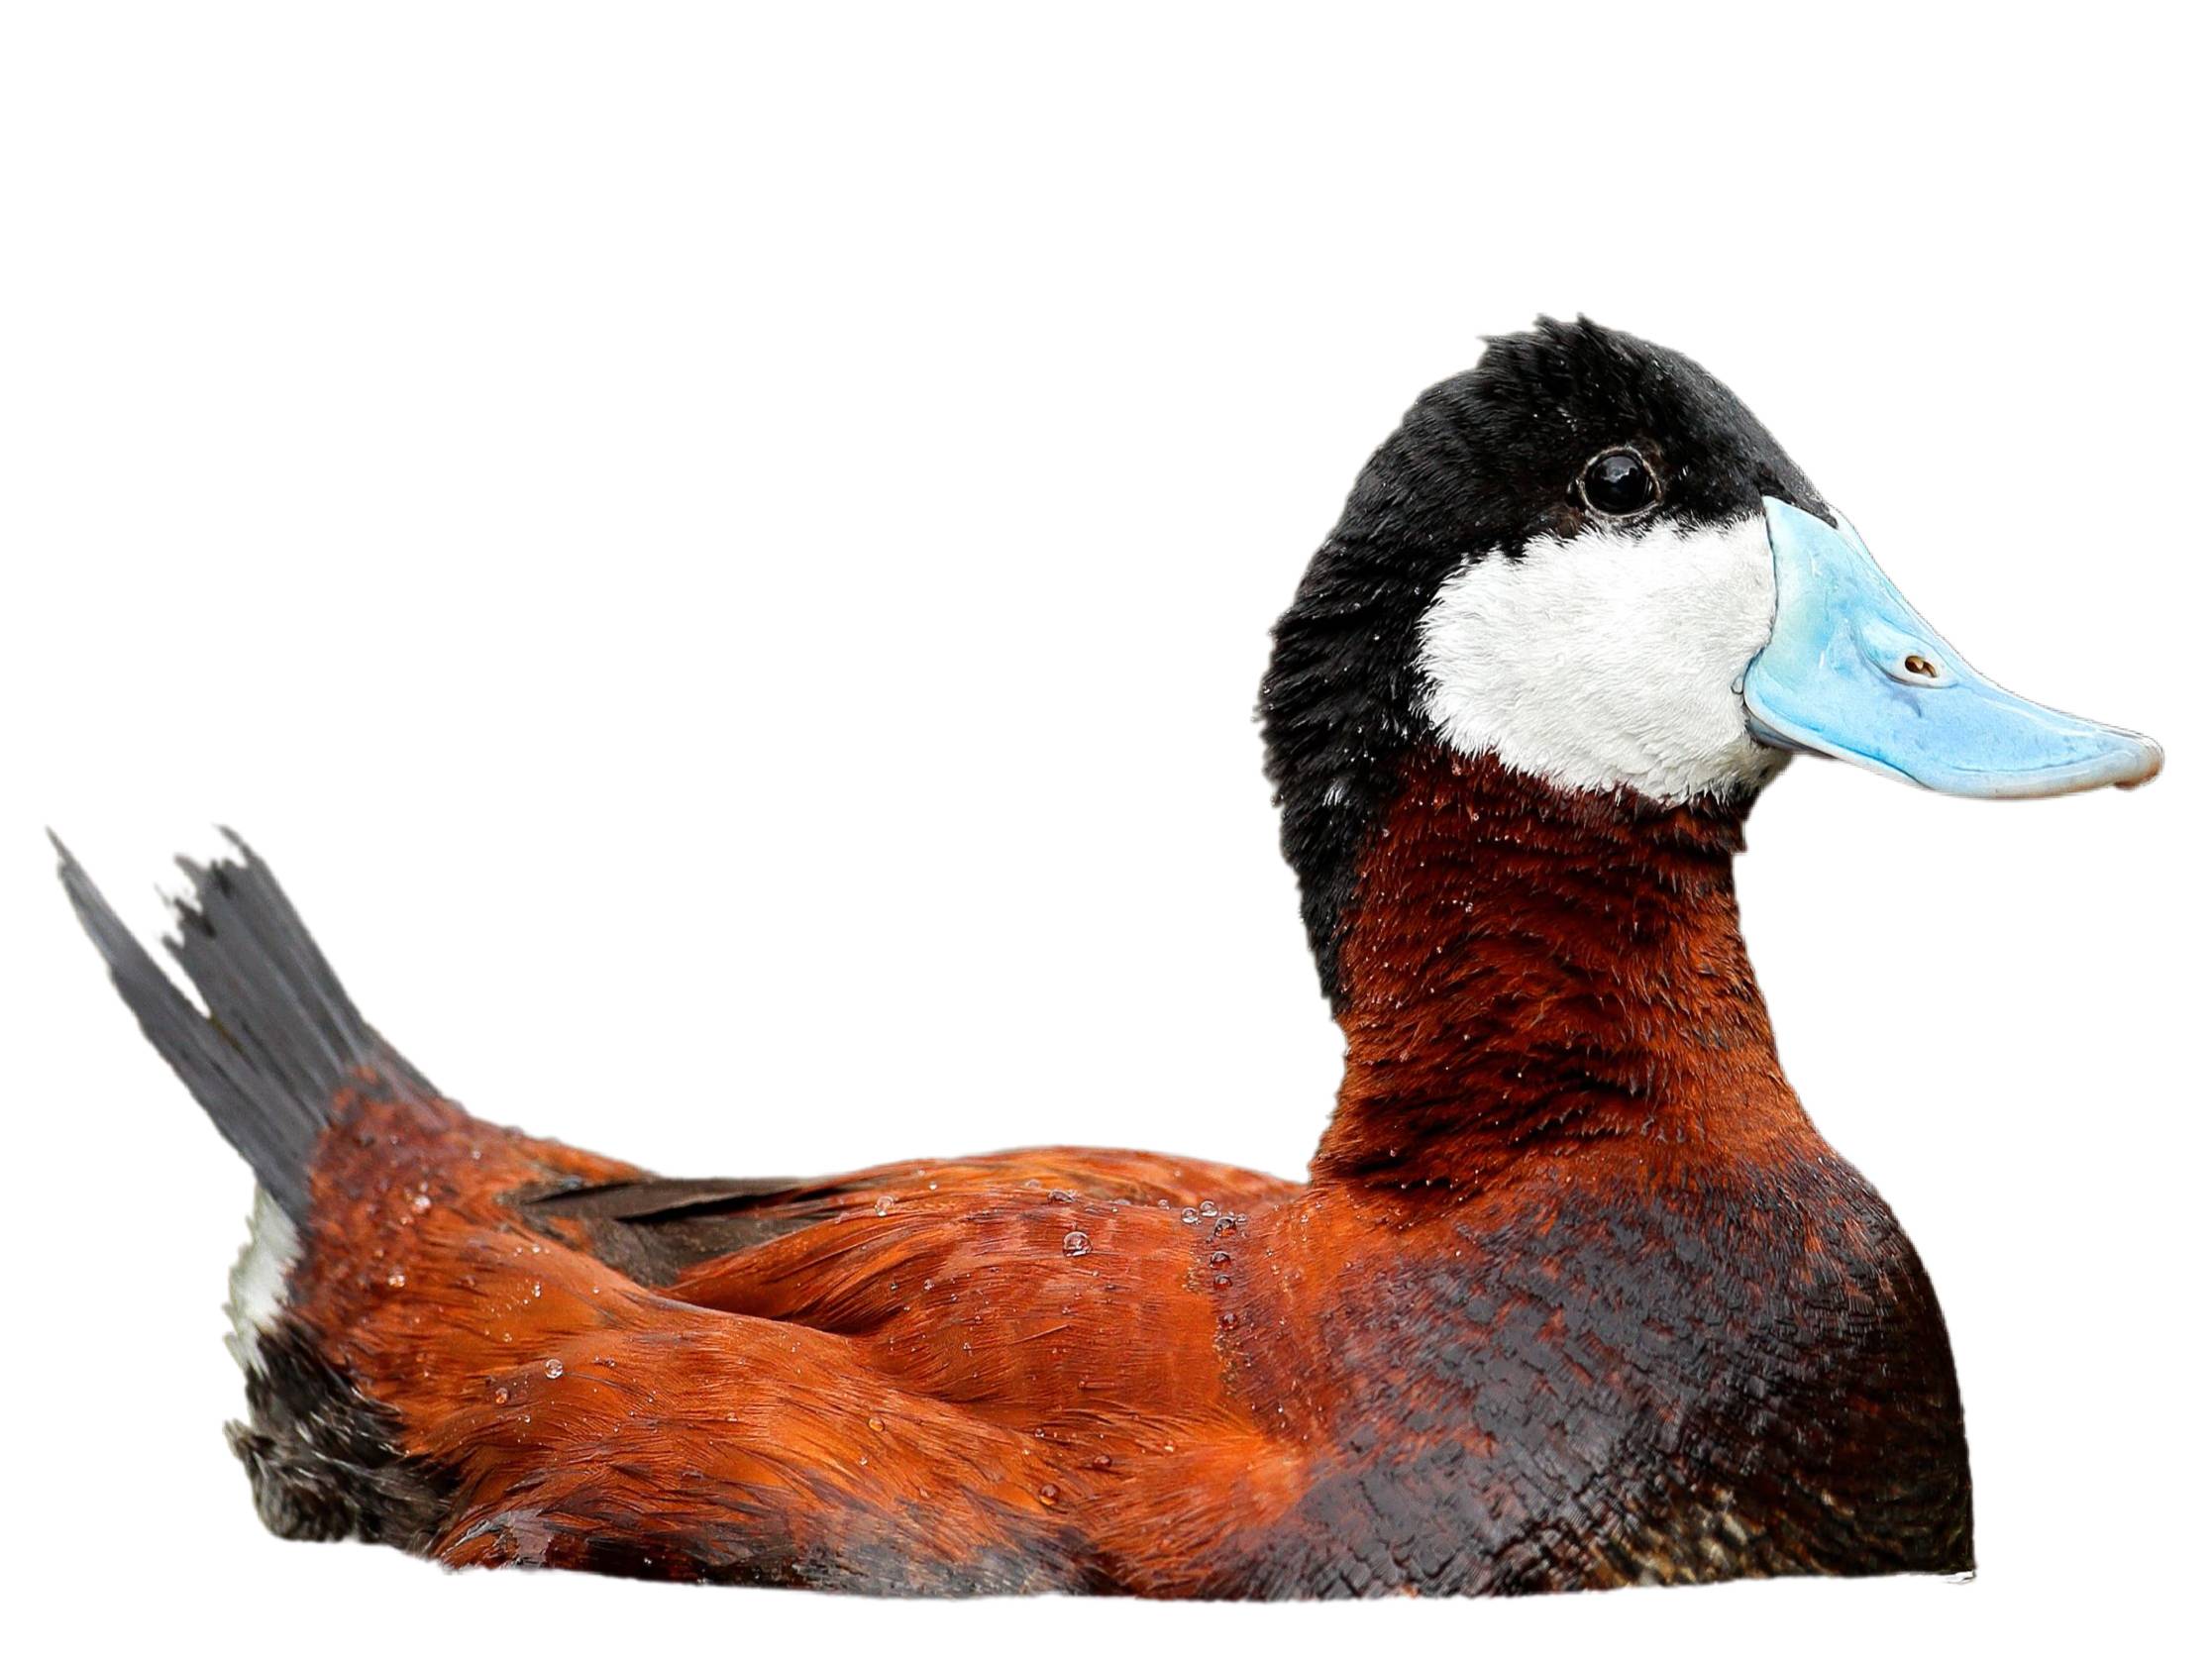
1608 662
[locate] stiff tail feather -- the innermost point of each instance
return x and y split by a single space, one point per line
267 1060
279 1037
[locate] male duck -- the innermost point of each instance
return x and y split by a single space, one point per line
1575 1294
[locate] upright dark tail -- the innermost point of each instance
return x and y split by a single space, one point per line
279 1038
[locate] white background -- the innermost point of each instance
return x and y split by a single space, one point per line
726 560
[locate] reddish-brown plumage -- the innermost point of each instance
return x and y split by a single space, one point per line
1535 972
1575 1297
1575 1294
931 1382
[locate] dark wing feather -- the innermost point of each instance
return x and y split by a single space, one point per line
656 1230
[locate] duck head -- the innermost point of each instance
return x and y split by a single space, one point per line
1585 559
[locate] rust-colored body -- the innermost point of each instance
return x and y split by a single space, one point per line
1575 1297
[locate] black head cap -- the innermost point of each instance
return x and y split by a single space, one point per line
1482 465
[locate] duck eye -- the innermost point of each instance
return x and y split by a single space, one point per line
1619 483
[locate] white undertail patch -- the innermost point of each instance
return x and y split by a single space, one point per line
1610 661
257 1279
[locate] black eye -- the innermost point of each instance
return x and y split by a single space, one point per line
1619 483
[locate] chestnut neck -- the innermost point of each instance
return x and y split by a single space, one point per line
1530 972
